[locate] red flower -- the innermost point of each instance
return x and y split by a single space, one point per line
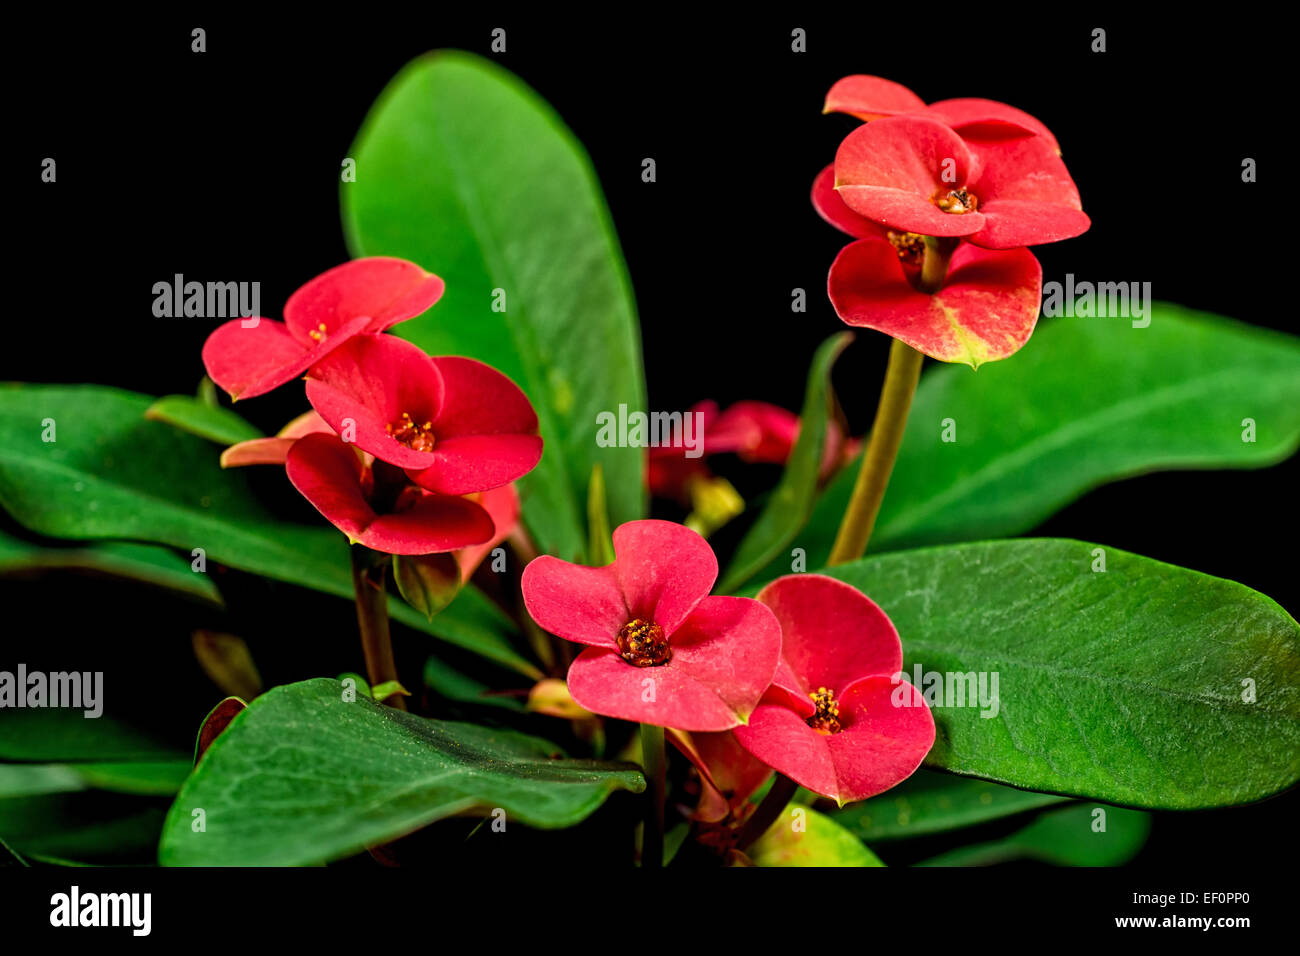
365 295
914 174
985 310
375 505
729 774
660 650
830 720
456 425
872 97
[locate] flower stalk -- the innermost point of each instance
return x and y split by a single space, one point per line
369 571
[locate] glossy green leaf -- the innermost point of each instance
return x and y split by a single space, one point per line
1087 401
111 473
198 417
1144 684
790 504
149 564
1072 836
452 684
65 735
929 802
82 828
804 837
303 776
147 778
465 170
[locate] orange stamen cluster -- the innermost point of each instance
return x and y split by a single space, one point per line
827 718
413 436
909 245
318 334
643 644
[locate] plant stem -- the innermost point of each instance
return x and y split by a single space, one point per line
882 448
652 760
783 788
901 376
368 576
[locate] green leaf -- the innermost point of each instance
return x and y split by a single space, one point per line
600 547
1066 837
82 828
465 170
303 776
820 842
790 504
452 684
113 474
198 417
146 563
146 778
1086 402
65 735
1127 685
929 802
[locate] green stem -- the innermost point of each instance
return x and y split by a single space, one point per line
901 376
369 571
766 813
652 760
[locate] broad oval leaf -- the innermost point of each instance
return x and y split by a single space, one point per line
929 802
465 170
1072 836
198 417
110 473
1143 684
1085 402
303 776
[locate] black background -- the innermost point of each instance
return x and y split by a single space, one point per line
224 165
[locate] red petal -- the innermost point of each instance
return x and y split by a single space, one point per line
880 746
887 734
890 171
664 570
574 602
723 658
871 97
985 311
831 207
328 474
462 466
1026 196
485 431
384 290
832 633
988 120
502 506
257 451
758 431
371 381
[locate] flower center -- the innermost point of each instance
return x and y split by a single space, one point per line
318 334
827 718
956 201
643 644
413 436
909 245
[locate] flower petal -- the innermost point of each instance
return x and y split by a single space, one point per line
502 506
782 739
832 208
367 384
832 633
1026 195
575 602
328 474
471 463
729 774
891 170
986 310
871 97
664 570
723 658
982 120
887 732
382 289
257 451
